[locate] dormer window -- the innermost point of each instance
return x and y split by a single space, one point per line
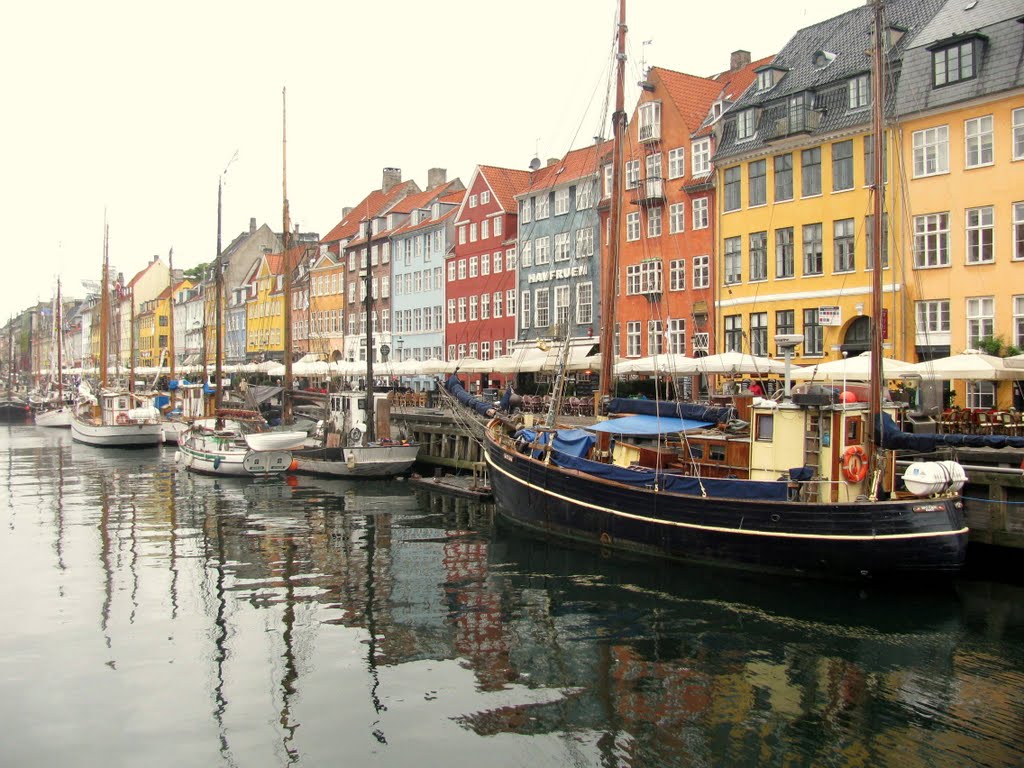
435 210
768 77
716 110
956 61
746 124
822 59
650 121
860 92
391 221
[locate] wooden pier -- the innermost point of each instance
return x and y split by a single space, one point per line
444 440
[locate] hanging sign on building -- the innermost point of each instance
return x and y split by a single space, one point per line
830 316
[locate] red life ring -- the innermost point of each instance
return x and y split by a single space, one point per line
122 418
855 464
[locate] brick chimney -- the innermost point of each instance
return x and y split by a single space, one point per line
436 177
392 177
346 211
252 225
738 60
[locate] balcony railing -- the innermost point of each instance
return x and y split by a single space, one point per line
650 132
650 191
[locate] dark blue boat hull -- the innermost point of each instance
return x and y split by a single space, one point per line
861 540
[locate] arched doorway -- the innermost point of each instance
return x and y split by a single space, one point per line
857 339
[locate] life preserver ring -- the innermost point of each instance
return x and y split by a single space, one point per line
122 418
855 464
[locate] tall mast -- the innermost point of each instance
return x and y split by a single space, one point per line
218 290
370 430
286 396
104 306
59 337
170 317
131 338
611 263
877 198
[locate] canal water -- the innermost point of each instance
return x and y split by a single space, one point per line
157 618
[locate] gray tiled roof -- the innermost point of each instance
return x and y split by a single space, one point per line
999 66
848 37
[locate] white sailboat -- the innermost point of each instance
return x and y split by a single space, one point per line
113 417
232 442
57 412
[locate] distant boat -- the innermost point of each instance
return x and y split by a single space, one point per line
113 417
13 410
56 410
234 444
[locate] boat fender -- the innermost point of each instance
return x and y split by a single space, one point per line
855 464
216 463
122 418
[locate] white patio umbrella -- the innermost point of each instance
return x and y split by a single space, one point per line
663 364
1015 361
970 364
853 368
736 362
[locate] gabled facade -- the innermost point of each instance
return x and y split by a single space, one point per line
560 243
961 106
794 169
480 271
264 310
666 238
179 296
147 284
417 284
153 326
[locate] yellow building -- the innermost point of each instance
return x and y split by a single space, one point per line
794 175
961 140
264 310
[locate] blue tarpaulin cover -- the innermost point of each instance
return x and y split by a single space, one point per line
568 442
894 437
712 413
648 425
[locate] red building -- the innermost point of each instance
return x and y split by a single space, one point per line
666 238
480 303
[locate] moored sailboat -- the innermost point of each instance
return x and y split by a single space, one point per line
112 417
56 412
805 486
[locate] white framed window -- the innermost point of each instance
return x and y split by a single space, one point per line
633 226
510 304
981 395
541 206
980 320
585 194
542 308
524 310
980 235
677 336
733 333
462 309
562 305
497 226
584 303
978 142
632 174
525 210
561 201
485 264
701 272
473 303
931 321
677 162
472 232
485 350
542 250
643 278
653 170
472 266
451 310
931 151
654 221
745 124
650 121
606 177
562 246
1018 232
676 218
462 234
485 229
462 269
485 197
472 201
1018 134
733 260
700 156
497 347
860 92
528 253
1018 321
510 259
655 338
700 212
677 275
496 303
498 262
842 245
931 240
451 353
584 243
633 338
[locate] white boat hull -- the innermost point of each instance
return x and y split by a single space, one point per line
275 441
173 431
359 461
224 455
58 418
130 435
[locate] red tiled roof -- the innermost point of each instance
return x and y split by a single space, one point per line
369 206
575 165
506 183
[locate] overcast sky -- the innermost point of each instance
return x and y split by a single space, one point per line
136 109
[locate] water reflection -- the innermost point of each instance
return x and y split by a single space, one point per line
290 621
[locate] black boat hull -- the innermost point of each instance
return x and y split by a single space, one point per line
860 540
